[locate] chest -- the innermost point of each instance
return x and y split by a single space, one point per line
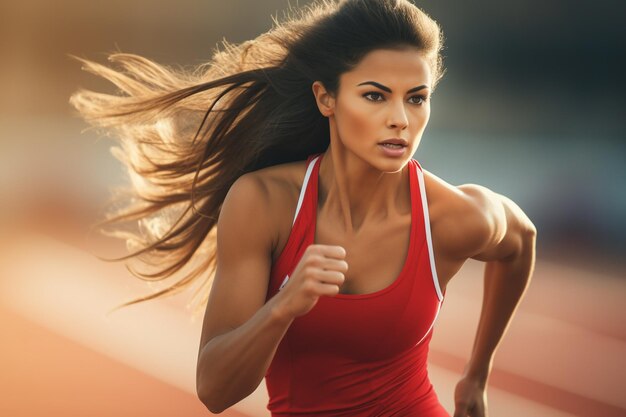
365 324
376 254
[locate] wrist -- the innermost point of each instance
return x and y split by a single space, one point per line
279 313
480 374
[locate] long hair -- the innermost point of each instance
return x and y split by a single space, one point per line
187 135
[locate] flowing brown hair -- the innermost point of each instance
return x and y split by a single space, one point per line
187 135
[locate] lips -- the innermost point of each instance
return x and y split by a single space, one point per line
395 141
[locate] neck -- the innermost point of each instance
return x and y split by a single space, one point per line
356 194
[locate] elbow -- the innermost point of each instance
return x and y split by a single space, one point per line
206 396
216 400
210 403
205 389
216 410
216 393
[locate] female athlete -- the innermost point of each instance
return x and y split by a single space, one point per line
329 248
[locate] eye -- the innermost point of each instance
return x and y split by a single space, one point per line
375 96
422 98
372 93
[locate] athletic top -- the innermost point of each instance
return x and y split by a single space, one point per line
358 355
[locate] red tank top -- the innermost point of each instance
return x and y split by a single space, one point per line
358 354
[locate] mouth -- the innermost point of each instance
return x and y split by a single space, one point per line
393 150
394 143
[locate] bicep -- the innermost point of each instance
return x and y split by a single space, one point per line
244 246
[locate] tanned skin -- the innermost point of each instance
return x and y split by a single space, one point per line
364 199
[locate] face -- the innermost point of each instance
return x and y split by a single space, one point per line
387 95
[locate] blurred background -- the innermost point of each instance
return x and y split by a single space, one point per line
532 106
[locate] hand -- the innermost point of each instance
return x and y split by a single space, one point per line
320 272
470 398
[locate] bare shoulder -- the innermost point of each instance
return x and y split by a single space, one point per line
282 177
282 183
247 232
472 221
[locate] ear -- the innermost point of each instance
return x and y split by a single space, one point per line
325 101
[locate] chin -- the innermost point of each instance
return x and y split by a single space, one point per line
391 165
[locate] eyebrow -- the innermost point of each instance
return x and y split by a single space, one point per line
387 89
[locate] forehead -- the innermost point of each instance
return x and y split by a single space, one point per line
390 67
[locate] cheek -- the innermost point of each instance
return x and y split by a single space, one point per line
356 120
425 117
420 118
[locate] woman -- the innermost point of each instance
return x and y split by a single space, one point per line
334 247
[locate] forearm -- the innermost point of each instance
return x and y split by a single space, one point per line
232 365
504 286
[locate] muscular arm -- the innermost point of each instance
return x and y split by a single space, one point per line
500 234
241 332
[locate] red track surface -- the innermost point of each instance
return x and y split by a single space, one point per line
46 374
563 354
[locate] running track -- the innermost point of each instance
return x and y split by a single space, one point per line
563 354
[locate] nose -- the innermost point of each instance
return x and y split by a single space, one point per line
397 117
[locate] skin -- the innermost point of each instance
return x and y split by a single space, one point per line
364 195
363 198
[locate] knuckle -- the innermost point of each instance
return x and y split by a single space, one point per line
315 248
309 286
315 260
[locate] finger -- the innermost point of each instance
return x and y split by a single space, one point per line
327 289
333 251
331 277
336 265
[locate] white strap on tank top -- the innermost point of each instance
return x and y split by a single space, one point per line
422 187
304 185
429 240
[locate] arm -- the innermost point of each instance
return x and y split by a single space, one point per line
500 234
240 332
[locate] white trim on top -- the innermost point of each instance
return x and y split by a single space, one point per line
284 282
303 189
420 177
431 324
